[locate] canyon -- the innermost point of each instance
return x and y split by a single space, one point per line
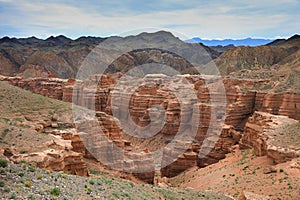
245 113
178 129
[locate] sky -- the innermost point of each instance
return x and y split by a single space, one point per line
207 19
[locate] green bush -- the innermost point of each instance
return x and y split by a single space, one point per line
2 184
55 191
4 133
23 151
28 184
92 182
21 174
89 190
13 196
3 163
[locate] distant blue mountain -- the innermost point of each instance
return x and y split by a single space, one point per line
239 42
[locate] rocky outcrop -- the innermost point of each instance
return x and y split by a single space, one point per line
50 87
193 156
142 104
74 137
270 135
174 164
57 160
58 156
252 196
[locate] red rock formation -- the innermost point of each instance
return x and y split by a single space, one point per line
98 92
225 141
240 104
57 160
102 139
263 133
286 104
177 164
58 157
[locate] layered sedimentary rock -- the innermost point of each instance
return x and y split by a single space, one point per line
51 87
270 135
199 153
57 160
286 104
74 137
102 138
227 138
58 157
153 103
188 154
240 103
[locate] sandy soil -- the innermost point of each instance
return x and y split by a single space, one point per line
242 171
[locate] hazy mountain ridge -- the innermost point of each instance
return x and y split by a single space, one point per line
225 42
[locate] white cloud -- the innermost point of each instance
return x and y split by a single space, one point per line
214 20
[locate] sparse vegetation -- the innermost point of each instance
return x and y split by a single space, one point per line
55 191
21 174
71 187
28 184
23 151
92 182
13 196
281 170
3 163
89 189
2 184
4 133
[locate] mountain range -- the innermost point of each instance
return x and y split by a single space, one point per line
239 42
62 57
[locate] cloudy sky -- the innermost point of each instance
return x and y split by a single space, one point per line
209 19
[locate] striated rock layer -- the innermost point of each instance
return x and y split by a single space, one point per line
58 157
272 135
140 106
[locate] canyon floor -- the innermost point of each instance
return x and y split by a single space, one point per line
242 171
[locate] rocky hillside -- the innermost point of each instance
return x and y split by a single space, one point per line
278 54
59 55
25 181
63 56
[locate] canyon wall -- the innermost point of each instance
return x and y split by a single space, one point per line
138 104
240 104
273 135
